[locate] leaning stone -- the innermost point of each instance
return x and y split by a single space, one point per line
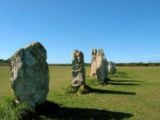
29 75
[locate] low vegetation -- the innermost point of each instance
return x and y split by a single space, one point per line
131 94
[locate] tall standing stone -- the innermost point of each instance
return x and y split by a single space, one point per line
98 65
30 74
93 72
106 68
78 70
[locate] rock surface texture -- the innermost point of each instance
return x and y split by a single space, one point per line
99 63
111 68
78 70
30 74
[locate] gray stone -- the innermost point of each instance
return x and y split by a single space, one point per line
111 68
106 67
30 74
100 65
78 70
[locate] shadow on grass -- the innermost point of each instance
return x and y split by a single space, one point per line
54 111
125 81
114 82
128 84
93 90
121 75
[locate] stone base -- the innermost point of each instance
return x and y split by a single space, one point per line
83 89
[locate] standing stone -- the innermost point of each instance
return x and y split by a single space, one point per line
106 68
78 70
93 72
29 74
111 68
99 65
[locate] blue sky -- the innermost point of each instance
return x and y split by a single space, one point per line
127 30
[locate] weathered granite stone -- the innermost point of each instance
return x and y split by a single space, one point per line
29 74
93 72
98 65
78 70
106 67
111 68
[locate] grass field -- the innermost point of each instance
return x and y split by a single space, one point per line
132 94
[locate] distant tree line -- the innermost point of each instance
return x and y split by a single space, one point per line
117 64
138 64
4 62
67 64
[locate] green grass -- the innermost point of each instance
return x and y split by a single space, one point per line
11 111
132 94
